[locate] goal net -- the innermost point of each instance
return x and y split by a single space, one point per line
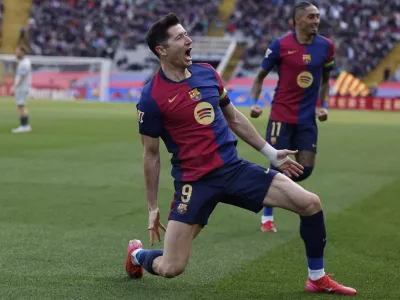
61 78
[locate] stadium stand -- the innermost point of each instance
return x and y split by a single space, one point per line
364 31
112 29
98 28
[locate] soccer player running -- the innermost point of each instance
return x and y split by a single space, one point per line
304 60
20 89
187 107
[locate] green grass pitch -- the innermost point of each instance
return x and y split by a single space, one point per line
71 196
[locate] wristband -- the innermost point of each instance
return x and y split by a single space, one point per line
270 152
325 105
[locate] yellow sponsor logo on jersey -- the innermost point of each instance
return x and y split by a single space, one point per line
204 113
305 79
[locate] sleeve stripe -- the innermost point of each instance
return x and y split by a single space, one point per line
331 63
223 95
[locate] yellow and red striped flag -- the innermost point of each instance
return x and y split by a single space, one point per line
347 84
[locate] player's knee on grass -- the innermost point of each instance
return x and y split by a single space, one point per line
171 270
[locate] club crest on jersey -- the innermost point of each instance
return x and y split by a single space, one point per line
140 116
182 208
306 58
195 95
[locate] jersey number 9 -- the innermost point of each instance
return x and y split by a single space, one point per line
186 193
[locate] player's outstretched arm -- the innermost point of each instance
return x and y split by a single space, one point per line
151 166
243 128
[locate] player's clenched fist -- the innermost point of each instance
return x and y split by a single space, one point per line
255 111
322 114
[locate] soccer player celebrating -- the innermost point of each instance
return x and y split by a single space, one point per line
187 107
304 59
22 83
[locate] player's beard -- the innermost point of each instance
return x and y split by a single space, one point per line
314 30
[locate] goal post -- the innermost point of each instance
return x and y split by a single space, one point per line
61 77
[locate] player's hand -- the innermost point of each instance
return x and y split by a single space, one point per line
154 225
288 166
255 111
322 114
12 91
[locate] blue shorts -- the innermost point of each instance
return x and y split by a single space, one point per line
241 184
292 136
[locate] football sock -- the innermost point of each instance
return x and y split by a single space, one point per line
267 215
24 120
145 258
306 173
313 233
316 274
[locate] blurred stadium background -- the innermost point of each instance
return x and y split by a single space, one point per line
71 192
230 35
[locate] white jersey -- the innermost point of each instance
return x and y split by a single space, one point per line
23 69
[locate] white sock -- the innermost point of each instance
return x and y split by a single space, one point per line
266 219
133 257
316 274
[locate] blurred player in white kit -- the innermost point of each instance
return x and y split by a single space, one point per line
20 89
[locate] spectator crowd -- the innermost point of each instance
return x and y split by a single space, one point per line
364 31
97 27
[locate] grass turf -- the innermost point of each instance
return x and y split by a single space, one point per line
71 196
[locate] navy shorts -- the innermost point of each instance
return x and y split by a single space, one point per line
292 136
241 184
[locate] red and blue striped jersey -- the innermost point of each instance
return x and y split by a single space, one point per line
188 118
300 68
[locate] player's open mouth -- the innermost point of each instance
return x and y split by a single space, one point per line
187 54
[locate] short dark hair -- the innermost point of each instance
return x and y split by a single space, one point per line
158 32
300 7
